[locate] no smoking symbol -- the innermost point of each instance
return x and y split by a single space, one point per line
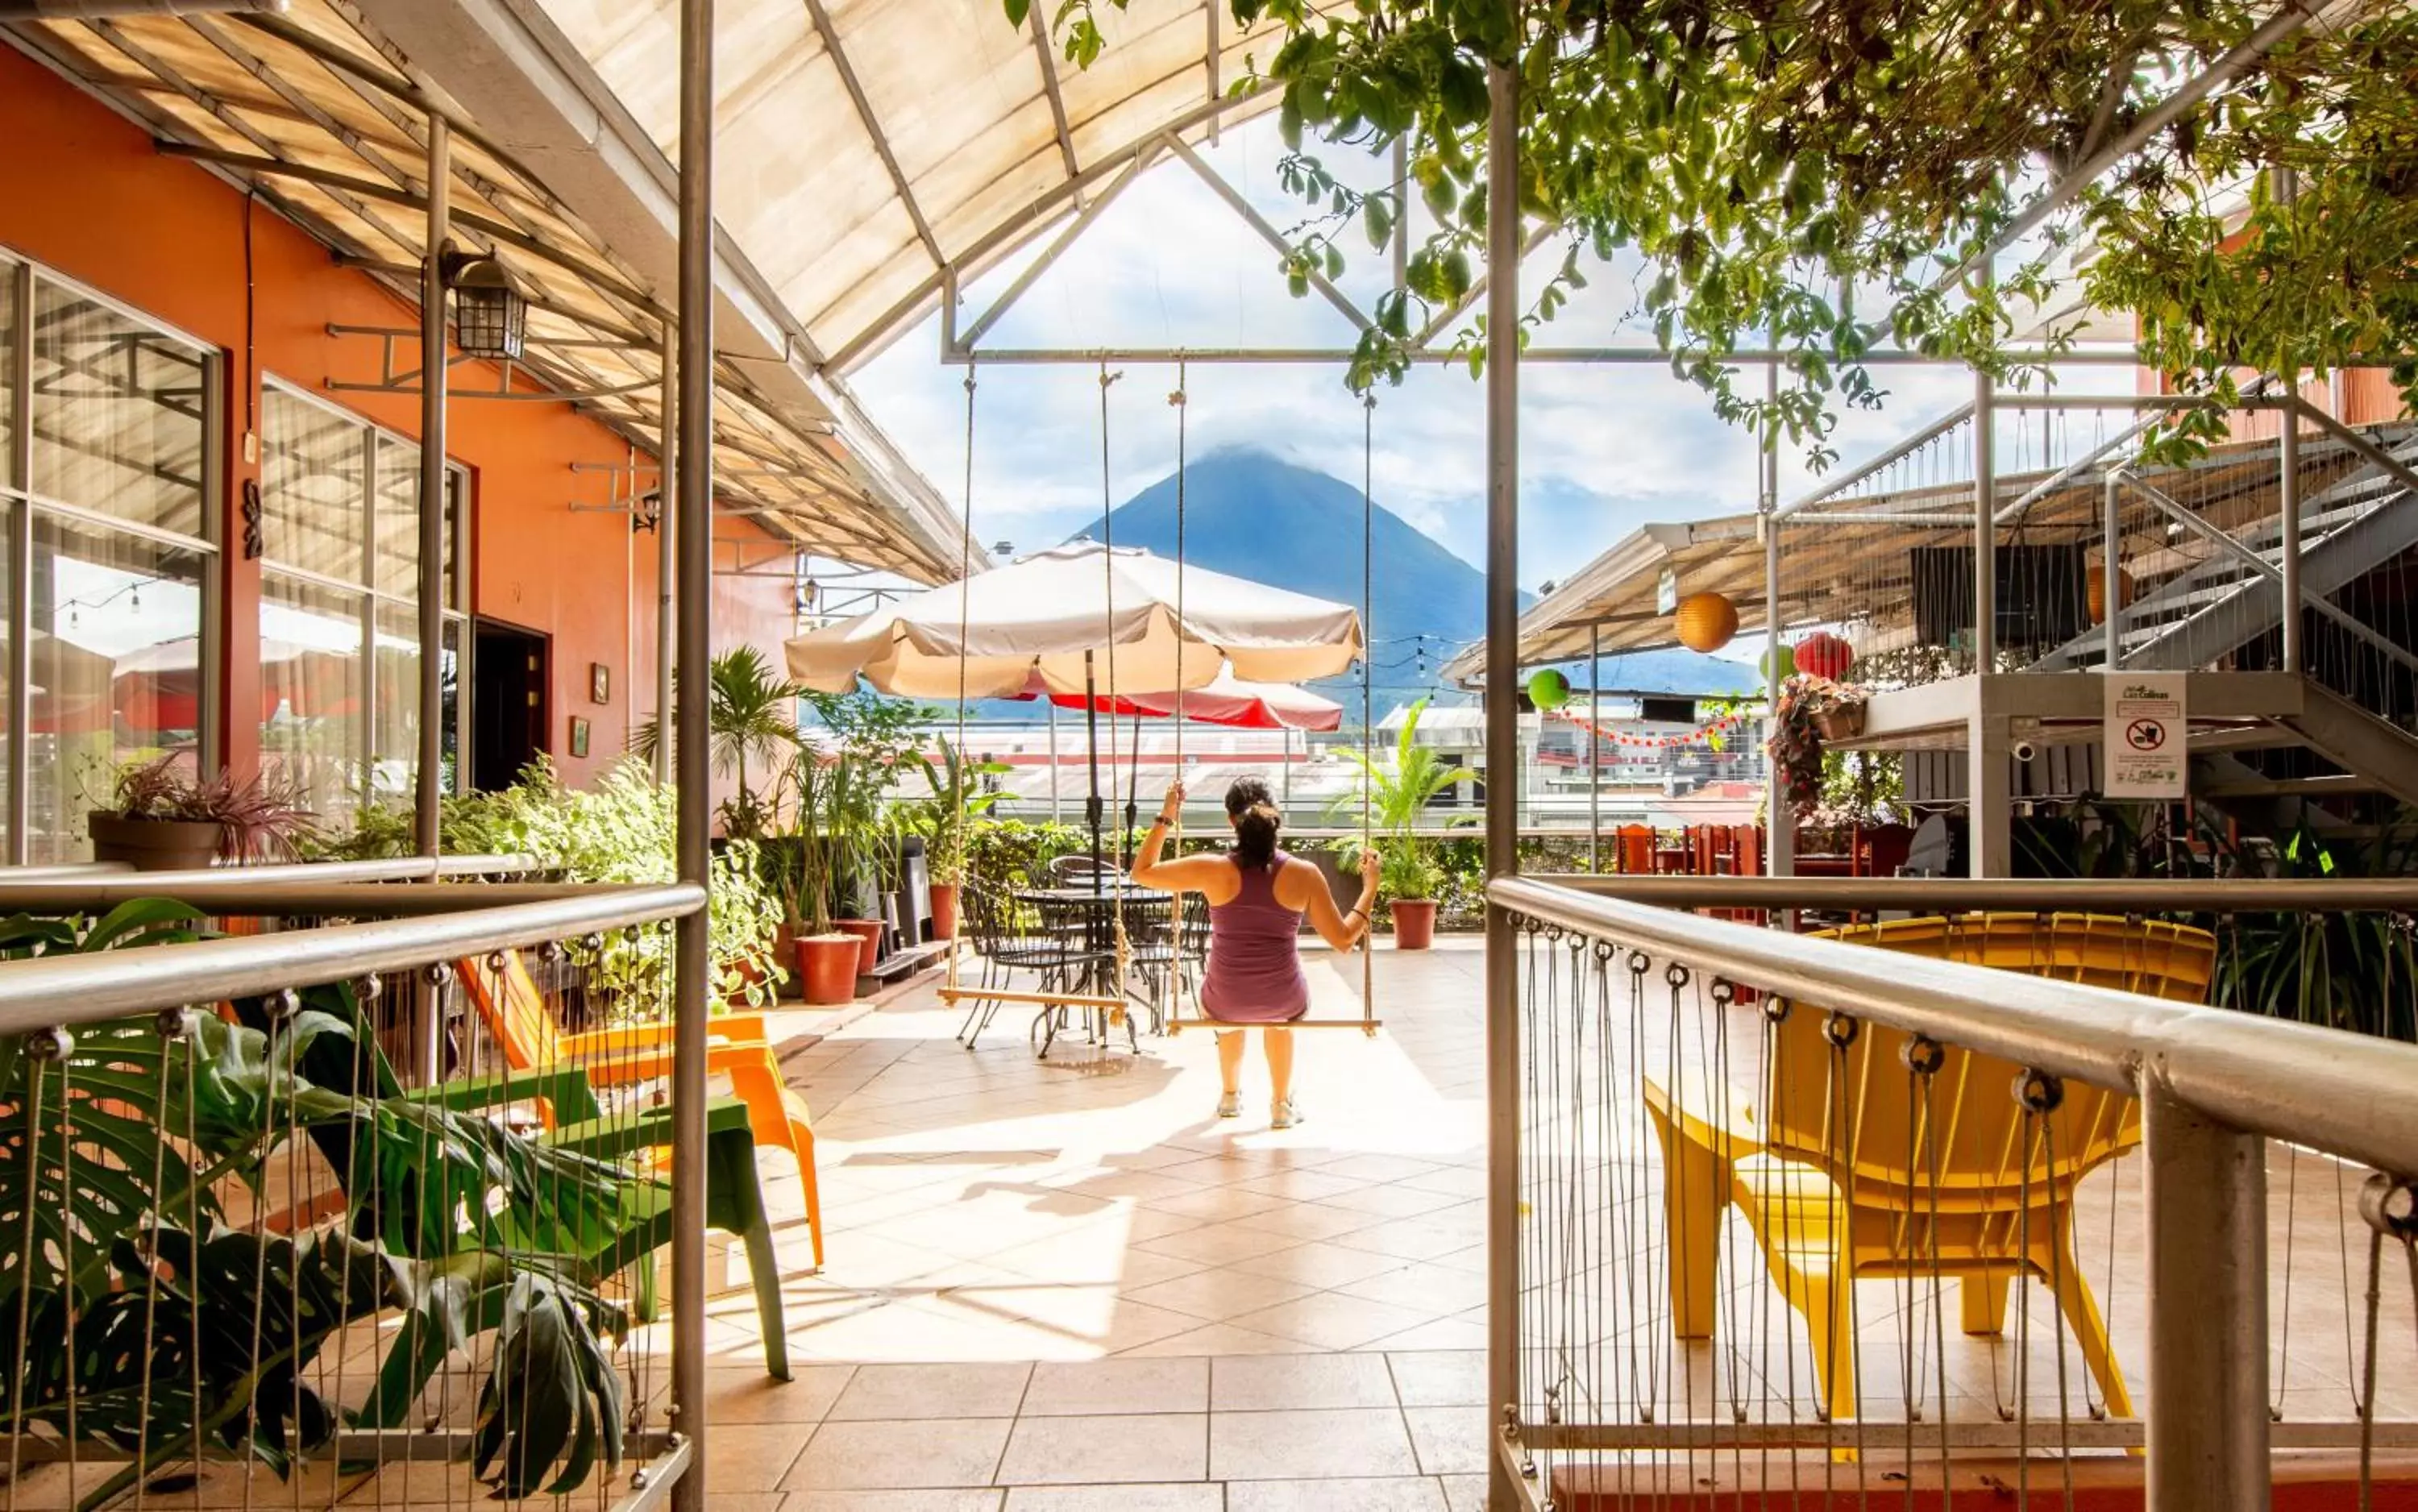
2144 735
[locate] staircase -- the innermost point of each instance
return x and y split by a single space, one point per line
2205 615
2201 616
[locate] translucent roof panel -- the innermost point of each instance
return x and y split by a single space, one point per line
864 145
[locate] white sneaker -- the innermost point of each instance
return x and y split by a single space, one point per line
1286 1115
1230 1105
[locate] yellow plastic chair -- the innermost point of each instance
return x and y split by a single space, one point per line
1851 1174
517 1019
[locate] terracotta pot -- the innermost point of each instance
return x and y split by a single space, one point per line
868 939
1413 922
944 911
827 967
1841 724
153 845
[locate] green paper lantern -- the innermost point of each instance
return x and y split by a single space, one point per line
1786 656
1548 690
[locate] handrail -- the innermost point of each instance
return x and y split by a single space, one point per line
58 991
2350 1096
1959 895
232 894
391 869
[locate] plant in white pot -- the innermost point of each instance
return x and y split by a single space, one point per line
161 817
1396 797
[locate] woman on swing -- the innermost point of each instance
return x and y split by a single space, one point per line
1257 897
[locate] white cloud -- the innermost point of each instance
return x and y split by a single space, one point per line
1602 447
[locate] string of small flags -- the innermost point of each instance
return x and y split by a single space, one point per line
1664 742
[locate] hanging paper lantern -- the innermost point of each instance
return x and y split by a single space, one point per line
2095 588
1824 656
1705 621
1784 656
1548 690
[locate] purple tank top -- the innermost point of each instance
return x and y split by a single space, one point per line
1255 974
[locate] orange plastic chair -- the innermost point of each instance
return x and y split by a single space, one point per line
1636 851
517 1019
1842 1180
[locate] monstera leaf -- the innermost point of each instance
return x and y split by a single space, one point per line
554 1401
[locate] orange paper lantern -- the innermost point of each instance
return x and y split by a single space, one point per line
2095 591
1705 621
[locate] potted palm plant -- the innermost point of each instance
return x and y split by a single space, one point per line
161 817
751 718
826 957
1397 797
957 796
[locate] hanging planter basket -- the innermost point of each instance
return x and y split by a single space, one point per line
1843 724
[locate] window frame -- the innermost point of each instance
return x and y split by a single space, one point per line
456 613
20 506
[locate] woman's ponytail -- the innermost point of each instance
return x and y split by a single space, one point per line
1256 821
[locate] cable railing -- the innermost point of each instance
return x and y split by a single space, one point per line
1954 1206
246 1254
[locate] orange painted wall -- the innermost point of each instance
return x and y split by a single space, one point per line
82 191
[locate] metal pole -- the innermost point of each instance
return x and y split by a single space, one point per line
1594 748
1286 770
1988 820
1780 819
1055 817
1503 766
667 555
426 792
2111 597
693 794
2207 1211
2287 500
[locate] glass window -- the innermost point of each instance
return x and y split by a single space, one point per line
315 464
347 495
398 522
394 741
315 692
120 414
9 274
116 669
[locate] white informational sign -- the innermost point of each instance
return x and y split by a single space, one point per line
2148 753
1667 591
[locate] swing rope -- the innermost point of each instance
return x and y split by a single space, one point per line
1368 1023
965 566
1368 680
1109 585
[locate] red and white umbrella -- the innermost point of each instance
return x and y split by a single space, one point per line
1226 700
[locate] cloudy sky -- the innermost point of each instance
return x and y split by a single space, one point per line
1603 449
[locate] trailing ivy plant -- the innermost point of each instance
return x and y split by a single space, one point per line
1820 177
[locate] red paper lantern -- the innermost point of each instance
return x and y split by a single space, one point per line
1824 656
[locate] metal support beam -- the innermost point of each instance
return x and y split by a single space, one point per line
837 52
1502 764
427 792
1781 852
667 552
18 575
2288 17
1259 224
957 348
1048 60
693 519
2111 571
2288 550
2189 519
1594 748
1988 824
2206 1188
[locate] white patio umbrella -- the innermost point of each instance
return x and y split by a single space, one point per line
1078 616
1087 620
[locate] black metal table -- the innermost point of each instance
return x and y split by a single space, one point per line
1084 921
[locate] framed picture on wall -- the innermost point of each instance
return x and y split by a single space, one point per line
600 683
578 736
